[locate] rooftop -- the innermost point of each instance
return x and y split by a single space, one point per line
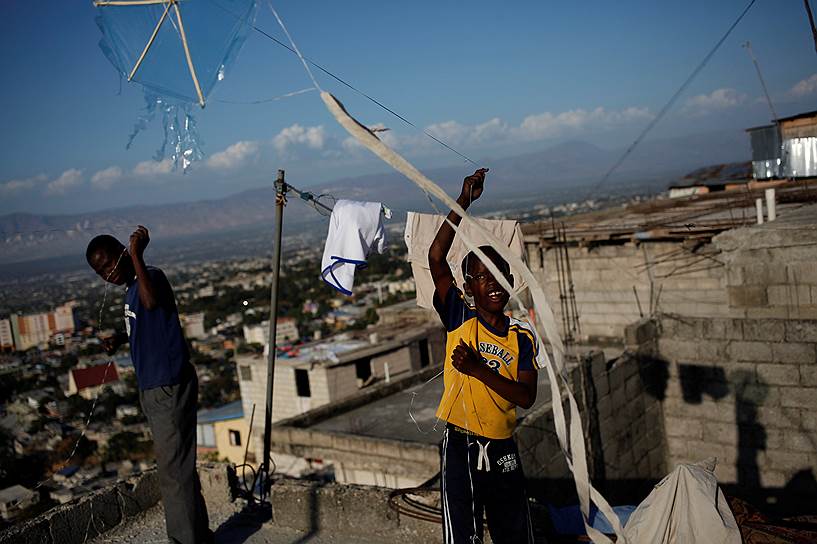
93 376
232 410
697 217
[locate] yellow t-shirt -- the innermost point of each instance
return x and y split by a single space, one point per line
466 401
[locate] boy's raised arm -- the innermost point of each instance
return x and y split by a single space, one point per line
147 291
440 271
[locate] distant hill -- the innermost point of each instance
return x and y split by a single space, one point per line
556 174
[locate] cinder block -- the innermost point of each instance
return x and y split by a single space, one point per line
779 374
794 352
787 461
720 433
138 493
798 397
750 351
723 328
713 351
802 272
809 418
801 331
764 329
35 531
771 417
632 387
683 427
788 295
678 350
724 453
808 376
761 394
803 441
773 478
747 296
681 327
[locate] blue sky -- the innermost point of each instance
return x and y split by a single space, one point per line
491 78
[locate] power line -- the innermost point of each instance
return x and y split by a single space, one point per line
349 85
671 101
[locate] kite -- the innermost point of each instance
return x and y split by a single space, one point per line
177 50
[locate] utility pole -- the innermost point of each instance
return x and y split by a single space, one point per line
280 194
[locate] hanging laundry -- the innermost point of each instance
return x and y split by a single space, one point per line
355 229
420 231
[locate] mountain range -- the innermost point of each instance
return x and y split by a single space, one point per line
561 173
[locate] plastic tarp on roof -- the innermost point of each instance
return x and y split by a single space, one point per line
686 507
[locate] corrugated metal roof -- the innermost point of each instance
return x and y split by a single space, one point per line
232 410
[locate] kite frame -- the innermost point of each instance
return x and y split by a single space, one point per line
182 35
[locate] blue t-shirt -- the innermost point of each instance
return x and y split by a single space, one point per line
157 346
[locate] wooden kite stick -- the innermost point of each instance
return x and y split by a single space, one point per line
187 53
150 41
128 2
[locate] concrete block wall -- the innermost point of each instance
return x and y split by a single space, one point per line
86 517
690 283
398 360
622 419
745 391
771 272
623 416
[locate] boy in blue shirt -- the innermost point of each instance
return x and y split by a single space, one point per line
168 386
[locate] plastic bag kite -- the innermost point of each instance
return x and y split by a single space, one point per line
177 50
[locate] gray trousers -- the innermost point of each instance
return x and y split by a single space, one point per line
171 413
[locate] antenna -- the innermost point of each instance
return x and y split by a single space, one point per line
748 46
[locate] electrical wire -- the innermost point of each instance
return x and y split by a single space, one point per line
348 85
670 102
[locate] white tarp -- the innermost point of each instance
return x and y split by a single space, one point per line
686 507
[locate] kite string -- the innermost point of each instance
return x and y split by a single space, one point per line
294 46
265 100
73 452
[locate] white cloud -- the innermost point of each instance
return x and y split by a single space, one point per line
153 168
296 135
537 126
718 99
17 185
104 179
68 179
805 87
566 123
233 155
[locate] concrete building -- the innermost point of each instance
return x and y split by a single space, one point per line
36 329
224 431
193 325
15 499
735 307
286 331
328 371
6 336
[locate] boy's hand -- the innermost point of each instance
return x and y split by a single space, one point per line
138 242
472 186
111 344
466 360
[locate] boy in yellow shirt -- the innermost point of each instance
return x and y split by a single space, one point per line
489 371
